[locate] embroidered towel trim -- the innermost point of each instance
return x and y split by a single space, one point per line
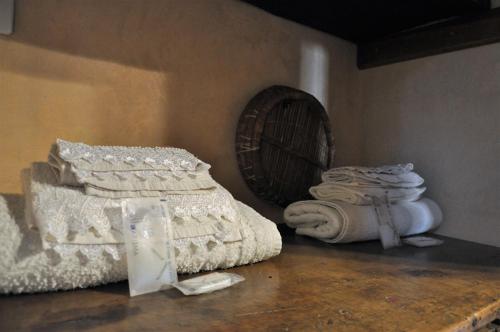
124 158
26 267
66 215
131 170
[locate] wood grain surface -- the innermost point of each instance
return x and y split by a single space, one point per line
310 286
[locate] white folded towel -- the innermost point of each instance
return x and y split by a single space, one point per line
74 239
26 267
336 222
113 171
397 176
65 214
363 195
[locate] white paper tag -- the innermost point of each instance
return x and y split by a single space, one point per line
389 235
148 239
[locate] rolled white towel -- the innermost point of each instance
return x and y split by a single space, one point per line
362 195
343 223
399 176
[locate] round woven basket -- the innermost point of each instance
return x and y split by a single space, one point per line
283 144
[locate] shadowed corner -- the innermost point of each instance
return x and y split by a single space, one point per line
472 255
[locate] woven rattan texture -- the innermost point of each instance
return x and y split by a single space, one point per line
283 143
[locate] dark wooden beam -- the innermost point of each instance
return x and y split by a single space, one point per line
439 38
361 20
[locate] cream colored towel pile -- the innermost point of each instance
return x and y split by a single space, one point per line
70 232
345 209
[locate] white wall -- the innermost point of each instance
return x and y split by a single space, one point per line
180 72
159 72
443 114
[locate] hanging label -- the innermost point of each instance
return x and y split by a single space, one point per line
389 235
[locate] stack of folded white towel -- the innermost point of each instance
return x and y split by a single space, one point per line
345 209
72 235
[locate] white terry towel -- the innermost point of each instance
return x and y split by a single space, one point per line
114 171
343 223
398 176
26 267
362 195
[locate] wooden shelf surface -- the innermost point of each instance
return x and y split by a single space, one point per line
310 286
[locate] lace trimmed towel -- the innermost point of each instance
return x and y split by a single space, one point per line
337 222
65 214
26 267
114 171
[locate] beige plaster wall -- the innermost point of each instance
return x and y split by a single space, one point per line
156 72
443 114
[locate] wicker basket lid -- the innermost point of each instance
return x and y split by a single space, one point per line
283 144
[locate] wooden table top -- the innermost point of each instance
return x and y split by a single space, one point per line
310 286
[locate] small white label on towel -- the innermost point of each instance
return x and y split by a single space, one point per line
149 244
389 235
